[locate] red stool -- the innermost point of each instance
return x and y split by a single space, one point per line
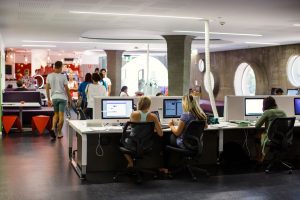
40 122
9 121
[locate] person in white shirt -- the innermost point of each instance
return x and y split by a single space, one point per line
92 90
60 95
124 91
107 80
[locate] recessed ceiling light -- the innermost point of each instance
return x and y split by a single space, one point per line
71 42
266 43
135 15
296 24
38 45
220 33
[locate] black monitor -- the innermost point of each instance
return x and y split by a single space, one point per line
116 110
253 108
8 69
172 108
297 107
292 92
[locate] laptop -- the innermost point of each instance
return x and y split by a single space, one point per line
163 126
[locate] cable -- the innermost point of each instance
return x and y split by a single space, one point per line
246 142
99 147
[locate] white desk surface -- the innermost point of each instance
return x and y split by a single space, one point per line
81 127
18 104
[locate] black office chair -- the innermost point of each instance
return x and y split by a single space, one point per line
280 134
136 141
193 143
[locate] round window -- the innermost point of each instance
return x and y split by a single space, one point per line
244 80
293 70
206 81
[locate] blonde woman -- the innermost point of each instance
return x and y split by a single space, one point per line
191 111
143 115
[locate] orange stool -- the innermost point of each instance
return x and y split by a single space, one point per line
40 122
9 121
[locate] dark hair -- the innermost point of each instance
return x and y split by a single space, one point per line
269 103
96 77
159 94
88 77
9 86
278 91
103 69
124 88
58 64
19 83
101 76
97 69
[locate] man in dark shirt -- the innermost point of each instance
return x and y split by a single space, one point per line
20 86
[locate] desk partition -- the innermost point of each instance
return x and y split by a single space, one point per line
234 106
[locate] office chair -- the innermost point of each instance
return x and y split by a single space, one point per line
136 141
193 143
280 134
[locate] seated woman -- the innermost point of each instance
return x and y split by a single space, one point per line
124 91
270 113
191 111
143 115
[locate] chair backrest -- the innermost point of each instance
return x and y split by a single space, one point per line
81 114
139 138
280 131
193 136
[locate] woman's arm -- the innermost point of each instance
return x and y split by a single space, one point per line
177 131
157 124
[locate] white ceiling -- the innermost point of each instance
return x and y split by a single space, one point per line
50 20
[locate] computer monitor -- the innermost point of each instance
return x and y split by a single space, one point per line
172 108
253 108
297 107
292 92
116 110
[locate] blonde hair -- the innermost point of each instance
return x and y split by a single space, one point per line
189 104
144 103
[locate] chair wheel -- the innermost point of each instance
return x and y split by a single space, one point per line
115 179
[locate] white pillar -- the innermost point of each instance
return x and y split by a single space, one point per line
207 73
38 59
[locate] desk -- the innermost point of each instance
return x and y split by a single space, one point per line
79 127
21 106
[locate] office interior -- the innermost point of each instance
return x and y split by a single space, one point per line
254 48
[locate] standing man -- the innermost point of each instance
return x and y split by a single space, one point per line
60 95
107 80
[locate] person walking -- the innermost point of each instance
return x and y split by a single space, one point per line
60 96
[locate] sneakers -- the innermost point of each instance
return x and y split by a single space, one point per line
59 136
52 134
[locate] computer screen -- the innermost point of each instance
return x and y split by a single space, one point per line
292 92
297 106
253 106
116 108
172 108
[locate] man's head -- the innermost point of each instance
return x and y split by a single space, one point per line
58 66
96 70
19 83
103 72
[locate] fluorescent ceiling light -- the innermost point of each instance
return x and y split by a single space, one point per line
266 43
220 33
38 45
296 24
72 42
135 15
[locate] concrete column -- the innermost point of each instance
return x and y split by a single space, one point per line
114 64
179 62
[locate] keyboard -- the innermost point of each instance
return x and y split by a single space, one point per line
165 126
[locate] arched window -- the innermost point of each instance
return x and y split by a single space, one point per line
244 80
293 70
